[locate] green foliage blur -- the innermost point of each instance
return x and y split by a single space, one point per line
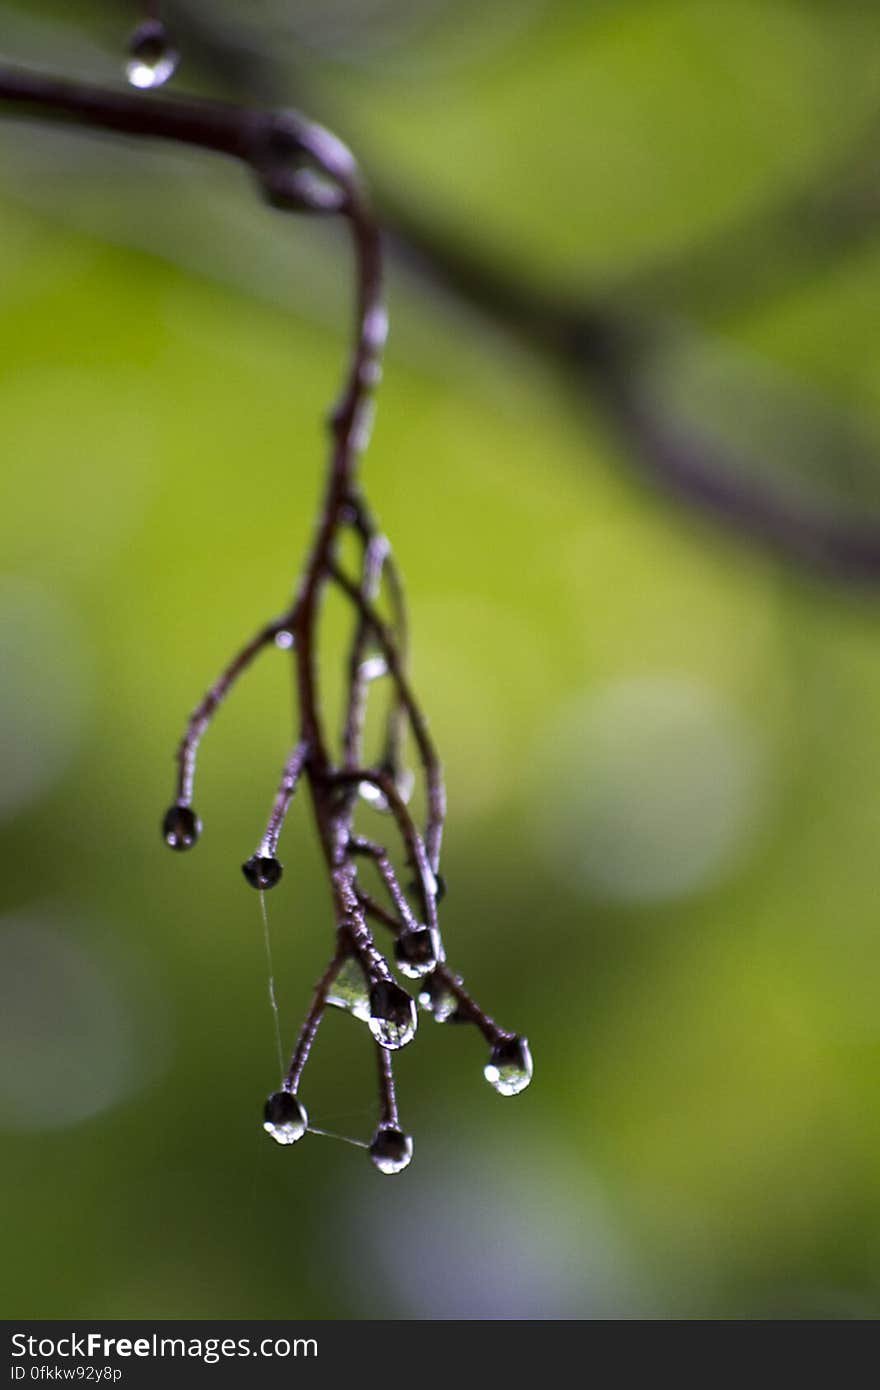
661 741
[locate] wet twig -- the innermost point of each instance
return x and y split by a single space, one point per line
301 167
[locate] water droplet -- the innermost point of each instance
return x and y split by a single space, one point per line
391 1149
181 827
373 669
373 796
393 1018
284 640
262 871
509 1068
349 991
437 998
152 57
416 951
284 1118
376 327
404 781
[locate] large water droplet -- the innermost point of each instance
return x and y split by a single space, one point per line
393 1018
437 998
152 57
262 871
509 1068
181 827
349 991
391 1149
416 951
284 1118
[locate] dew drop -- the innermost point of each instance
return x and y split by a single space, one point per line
349 991
284 1118
373 796
181 827
391 1149
284 639
416 951
152 57
376 327
404 781
373 669
509 1068
393 1018
262 871
437 998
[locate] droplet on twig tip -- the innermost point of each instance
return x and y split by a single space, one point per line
181 827
284 1118
393 1019
509 1068
262 871
415 951
391 1149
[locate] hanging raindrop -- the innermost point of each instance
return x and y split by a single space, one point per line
262 871
181 827
152 58
437 998
416 951
349 991
391 1149
284 1118
509 1068
393 1018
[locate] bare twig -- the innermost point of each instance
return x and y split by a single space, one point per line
301 167
207 707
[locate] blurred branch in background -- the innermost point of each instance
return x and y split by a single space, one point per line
733 440
761 455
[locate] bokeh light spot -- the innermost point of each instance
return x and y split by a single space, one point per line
66 1044
44 694
651 789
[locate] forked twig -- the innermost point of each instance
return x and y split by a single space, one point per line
301 167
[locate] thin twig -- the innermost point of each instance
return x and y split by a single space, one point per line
358 845
412 840
207 707
425 744
289 779
378 912
387 1093
312 1020
470 1009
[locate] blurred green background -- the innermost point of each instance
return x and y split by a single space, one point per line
661 736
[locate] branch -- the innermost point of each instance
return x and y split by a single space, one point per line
301 167
418 723
591 341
